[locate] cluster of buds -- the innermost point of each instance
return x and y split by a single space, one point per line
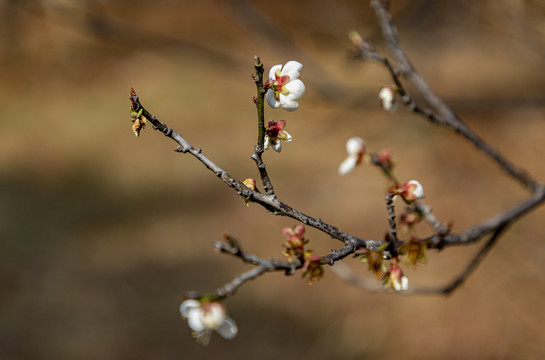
313 267
295 250
295 246
205 317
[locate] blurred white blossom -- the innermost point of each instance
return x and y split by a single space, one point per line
387 96
205 318
355 148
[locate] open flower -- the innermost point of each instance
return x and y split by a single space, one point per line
355 147
397 280
412 190
274 135
387 96
285 86
206 317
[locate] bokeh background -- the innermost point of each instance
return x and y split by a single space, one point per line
101 233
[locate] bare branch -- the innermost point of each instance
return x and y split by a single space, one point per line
269 202
263 266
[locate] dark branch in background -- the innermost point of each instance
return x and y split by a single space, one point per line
444 114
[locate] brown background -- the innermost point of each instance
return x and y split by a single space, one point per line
101 233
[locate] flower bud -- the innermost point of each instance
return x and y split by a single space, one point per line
412 190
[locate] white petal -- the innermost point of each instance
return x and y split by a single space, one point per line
288 104
418 190
272 72
348 164
404 283
288 137
296 89
292 68
388 101
266 143
355 145
194 320
188 306
228 329
277 146
271 100
213 316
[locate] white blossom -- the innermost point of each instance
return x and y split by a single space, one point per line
355 148
387 96
207 317
286 88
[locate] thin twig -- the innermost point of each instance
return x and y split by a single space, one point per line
394 242
259 148
262 266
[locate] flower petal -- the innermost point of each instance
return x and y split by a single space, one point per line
188 306
355 146
296 89
228 329
348 164
288 104
277 146
286 136
292 68
404 283
194 320
266 143
272 72
271 100
418 190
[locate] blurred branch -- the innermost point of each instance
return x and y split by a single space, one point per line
443 114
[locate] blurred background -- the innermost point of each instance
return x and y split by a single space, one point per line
101 233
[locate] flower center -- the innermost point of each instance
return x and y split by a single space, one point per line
279 84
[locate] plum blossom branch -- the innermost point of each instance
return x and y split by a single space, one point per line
269 202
